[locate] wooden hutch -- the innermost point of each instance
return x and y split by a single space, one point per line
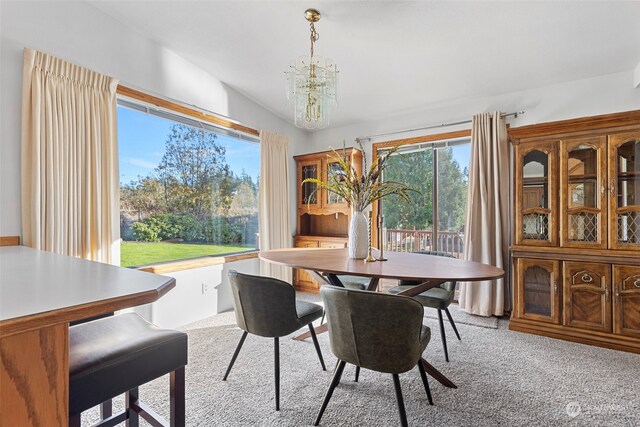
322 217
576 253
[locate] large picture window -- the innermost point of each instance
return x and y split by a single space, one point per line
436 218
187 188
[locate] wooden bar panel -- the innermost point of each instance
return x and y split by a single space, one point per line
9 240
34 374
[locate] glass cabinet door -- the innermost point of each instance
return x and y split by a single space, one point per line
583 197
332 199
624 187
538 290
535 194
309 193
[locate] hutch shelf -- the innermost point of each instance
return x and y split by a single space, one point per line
576 257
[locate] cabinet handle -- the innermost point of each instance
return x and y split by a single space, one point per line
637 283
618 293
602 188
606 294
555 287
612 187
586 278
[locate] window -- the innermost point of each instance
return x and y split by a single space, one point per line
436 218
187 188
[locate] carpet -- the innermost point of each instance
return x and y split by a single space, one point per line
505 378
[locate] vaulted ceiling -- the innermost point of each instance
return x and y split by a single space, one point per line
394 56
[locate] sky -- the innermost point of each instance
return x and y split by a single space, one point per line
141 141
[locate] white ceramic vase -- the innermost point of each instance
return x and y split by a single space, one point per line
358 235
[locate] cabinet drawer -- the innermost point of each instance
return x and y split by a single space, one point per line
333 244
306 244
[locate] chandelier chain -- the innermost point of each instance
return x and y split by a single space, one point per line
314 36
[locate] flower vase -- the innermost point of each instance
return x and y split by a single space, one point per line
358 235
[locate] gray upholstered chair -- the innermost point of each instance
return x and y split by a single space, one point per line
439 298
375 331
267 307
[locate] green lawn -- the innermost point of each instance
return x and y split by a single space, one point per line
142 253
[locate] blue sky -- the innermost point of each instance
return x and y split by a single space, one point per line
141 139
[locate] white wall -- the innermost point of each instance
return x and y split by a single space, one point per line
589 97
81 33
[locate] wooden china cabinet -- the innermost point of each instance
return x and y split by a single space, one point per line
576 253
322 217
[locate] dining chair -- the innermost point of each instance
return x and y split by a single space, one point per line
375 331
267 307
439 298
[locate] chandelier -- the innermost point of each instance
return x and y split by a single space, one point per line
312 84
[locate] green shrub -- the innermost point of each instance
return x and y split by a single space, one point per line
144 232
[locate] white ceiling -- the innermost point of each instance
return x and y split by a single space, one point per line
395 56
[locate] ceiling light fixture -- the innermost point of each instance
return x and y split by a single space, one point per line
312 84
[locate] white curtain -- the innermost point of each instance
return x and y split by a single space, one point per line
70 191
275 230
486 237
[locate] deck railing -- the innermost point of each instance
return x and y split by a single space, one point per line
422 240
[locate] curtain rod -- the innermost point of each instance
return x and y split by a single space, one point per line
514 114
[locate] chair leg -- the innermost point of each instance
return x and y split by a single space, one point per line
401 410
276 364
425 381
106 409
130 397
235 354
317 345
443 336
446 310
322 320
357 373
75 420
177 416
334 383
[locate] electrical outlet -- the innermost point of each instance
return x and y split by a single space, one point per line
205 288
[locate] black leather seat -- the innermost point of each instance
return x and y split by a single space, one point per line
267 307
117 354
375 331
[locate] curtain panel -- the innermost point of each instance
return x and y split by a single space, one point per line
486 237
275 229
70 190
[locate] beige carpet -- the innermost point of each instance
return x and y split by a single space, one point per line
505 378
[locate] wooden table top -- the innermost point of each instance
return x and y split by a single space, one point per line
400 265
39 288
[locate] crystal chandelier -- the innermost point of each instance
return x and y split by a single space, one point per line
312 84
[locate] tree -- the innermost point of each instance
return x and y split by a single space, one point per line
416 170
193 172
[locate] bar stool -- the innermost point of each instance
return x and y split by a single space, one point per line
116 355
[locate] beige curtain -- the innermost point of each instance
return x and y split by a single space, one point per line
275 230
487 227
70 192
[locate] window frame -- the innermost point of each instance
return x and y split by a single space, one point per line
183 114
436 141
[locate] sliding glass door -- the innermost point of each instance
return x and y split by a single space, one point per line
435 218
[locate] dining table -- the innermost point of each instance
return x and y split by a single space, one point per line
41 293
327 265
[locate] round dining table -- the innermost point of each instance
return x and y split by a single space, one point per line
327 265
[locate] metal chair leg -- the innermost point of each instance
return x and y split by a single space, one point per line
334 383
425 381
177 414
446 310
317 345
357 373
235 354
276 363
130 398
106 409
401 410
443 336
74 421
